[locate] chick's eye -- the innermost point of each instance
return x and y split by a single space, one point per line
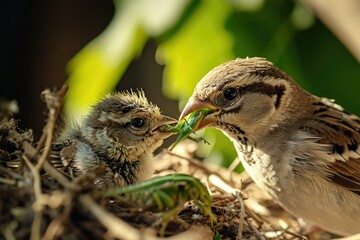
230 93
138 122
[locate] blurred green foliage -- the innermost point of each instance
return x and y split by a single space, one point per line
98 67
203 40
194 36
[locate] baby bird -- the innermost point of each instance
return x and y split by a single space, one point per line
115 141
303 150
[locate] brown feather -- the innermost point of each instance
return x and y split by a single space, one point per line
341 130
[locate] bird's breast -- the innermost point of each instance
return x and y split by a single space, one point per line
260 168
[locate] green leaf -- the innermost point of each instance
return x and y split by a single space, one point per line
98 67
199 45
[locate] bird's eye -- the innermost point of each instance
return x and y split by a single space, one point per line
230 93
138 122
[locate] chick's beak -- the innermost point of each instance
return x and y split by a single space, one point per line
164 121
195 104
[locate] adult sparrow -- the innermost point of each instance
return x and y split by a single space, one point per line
303 150
115 141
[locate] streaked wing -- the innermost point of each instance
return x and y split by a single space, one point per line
341 130
62 155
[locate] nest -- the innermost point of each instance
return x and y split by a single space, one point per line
38 201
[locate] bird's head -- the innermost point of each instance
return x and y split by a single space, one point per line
125 125
246 95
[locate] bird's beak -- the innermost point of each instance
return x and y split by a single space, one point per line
195 104
165 121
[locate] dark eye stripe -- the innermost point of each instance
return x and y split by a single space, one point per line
127 109
264 88
280 90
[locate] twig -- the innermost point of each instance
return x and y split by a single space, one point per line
11 173
122 230
36 225
194 233
217 181
29 150
53 172
257 233
193 162
60 99
39 145
45 154
252 214
241 216
7 181
9 230
295 234
53 229
199 165
117 227
54 106
353 237
288 232
234 164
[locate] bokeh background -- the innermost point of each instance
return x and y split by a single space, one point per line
166 46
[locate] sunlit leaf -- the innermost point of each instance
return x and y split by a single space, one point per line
202 43
98 67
